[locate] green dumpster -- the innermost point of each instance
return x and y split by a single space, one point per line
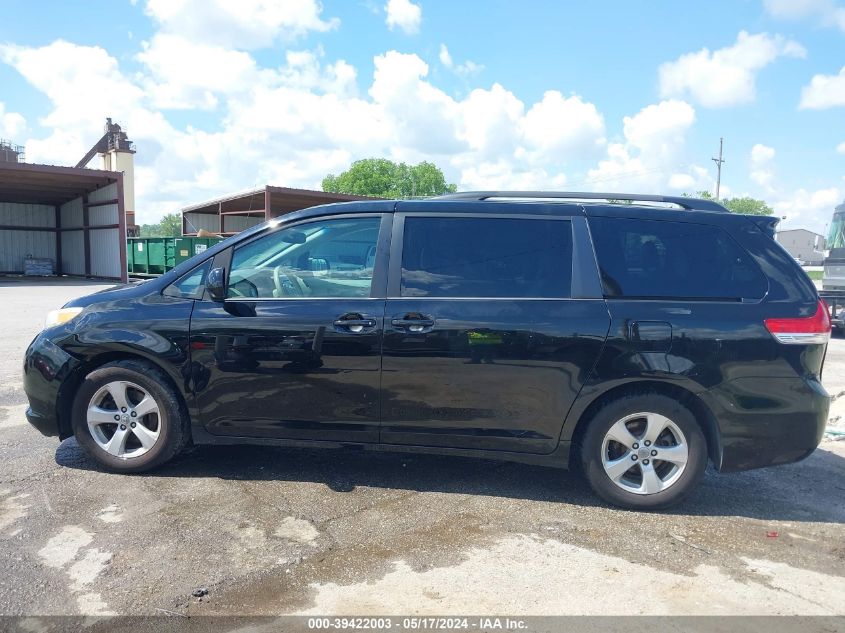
152 256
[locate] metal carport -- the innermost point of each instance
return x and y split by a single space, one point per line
236 212
73 216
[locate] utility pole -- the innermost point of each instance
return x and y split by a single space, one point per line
719 162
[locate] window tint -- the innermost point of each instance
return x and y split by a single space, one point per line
658 259
191 284
486 257
329 258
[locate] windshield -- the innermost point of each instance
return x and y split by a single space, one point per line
836 237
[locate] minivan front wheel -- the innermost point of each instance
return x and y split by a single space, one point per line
128 417
644 452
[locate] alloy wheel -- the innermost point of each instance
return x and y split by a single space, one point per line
644 453
124 419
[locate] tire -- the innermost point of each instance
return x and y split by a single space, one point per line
135 439
617 435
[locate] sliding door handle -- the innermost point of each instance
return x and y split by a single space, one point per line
413 324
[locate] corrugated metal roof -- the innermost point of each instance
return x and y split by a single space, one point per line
48 184
283 197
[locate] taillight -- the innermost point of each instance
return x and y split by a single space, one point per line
802 331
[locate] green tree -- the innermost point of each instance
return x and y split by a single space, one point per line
383 178
745 205
169 226
748 206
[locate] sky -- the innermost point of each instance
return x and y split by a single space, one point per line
225 95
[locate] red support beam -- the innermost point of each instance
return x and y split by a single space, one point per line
121 225
102 204
58 239
94 227
87 227
86 236
17 227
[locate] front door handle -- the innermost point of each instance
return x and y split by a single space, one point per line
415 323
354 323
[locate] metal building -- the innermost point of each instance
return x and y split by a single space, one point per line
74 217
231 214
803 245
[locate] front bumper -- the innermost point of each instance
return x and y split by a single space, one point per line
768 421
45 425
46 368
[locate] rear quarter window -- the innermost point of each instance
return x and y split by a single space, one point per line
673 260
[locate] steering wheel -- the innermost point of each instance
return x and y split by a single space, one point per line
294 287
237 292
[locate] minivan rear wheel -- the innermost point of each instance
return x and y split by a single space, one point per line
128 417
644 452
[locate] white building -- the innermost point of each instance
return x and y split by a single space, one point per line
804 245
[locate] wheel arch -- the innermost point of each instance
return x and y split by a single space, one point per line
702 413
70 387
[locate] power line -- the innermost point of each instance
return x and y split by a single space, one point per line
629 174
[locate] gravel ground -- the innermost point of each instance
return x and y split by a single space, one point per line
276 531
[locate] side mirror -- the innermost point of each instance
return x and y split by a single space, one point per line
215 284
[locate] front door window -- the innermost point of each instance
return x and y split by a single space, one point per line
325 259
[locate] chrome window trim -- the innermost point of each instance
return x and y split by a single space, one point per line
378 280
392 298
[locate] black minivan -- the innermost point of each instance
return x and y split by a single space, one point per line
634 337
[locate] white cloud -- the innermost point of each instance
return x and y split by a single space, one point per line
445 57
500 174
761 170
186 74
198 54
84 85
725 77
403 14
808 209
761 154
841 148
828 12
693 180
490 122
292 124
306 70
560 124
469 67
12 124
61 69
824 91
420 115
659 127
650 158
465 69
795 9
243 24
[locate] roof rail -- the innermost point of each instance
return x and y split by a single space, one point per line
690 204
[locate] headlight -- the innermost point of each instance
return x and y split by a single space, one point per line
62 315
